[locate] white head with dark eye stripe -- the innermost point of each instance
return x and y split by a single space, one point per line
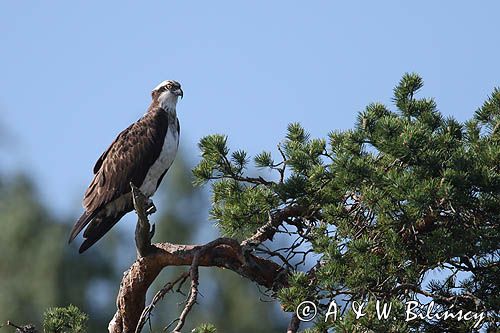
167 93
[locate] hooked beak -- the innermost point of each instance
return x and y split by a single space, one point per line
179 92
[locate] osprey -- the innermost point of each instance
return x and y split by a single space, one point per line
141 154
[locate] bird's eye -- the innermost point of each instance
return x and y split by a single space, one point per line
169 86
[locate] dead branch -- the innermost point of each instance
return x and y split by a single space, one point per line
193 294
146 313
143 234
21 329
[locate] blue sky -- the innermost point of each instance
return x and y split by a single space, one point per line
74 74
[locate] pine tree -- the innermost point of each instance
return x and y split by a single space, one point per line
375 209
227 300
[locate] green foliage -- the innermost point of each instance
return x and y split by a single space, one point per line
215 160
298 291
404 92
238 208
64 320
488 114
402 194
205 328
264 160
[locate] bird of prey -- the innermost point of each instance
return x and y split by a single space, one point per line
141 154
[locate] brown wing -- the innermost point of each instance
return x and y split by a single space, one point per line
127 160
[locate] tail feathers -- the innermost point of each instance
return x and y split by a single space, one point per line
97 229
80 224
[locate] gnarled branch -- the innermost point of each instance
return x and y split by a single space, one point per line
224 252
131 314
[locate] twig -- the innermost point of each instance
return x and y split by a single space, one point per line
194 274
146 314
21 329
192 295
282 170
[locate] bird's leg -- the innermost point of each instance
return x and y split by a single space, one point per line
150 207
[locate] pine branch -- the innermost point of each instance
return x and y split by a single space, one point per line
268 230
222 252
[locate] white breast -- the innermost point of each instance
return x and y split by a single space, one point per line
164 161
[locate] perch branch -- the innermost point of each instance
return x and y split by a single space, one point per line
143 231
131 314
224 253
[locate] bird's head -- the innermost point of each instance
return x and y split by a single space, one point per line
167 93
